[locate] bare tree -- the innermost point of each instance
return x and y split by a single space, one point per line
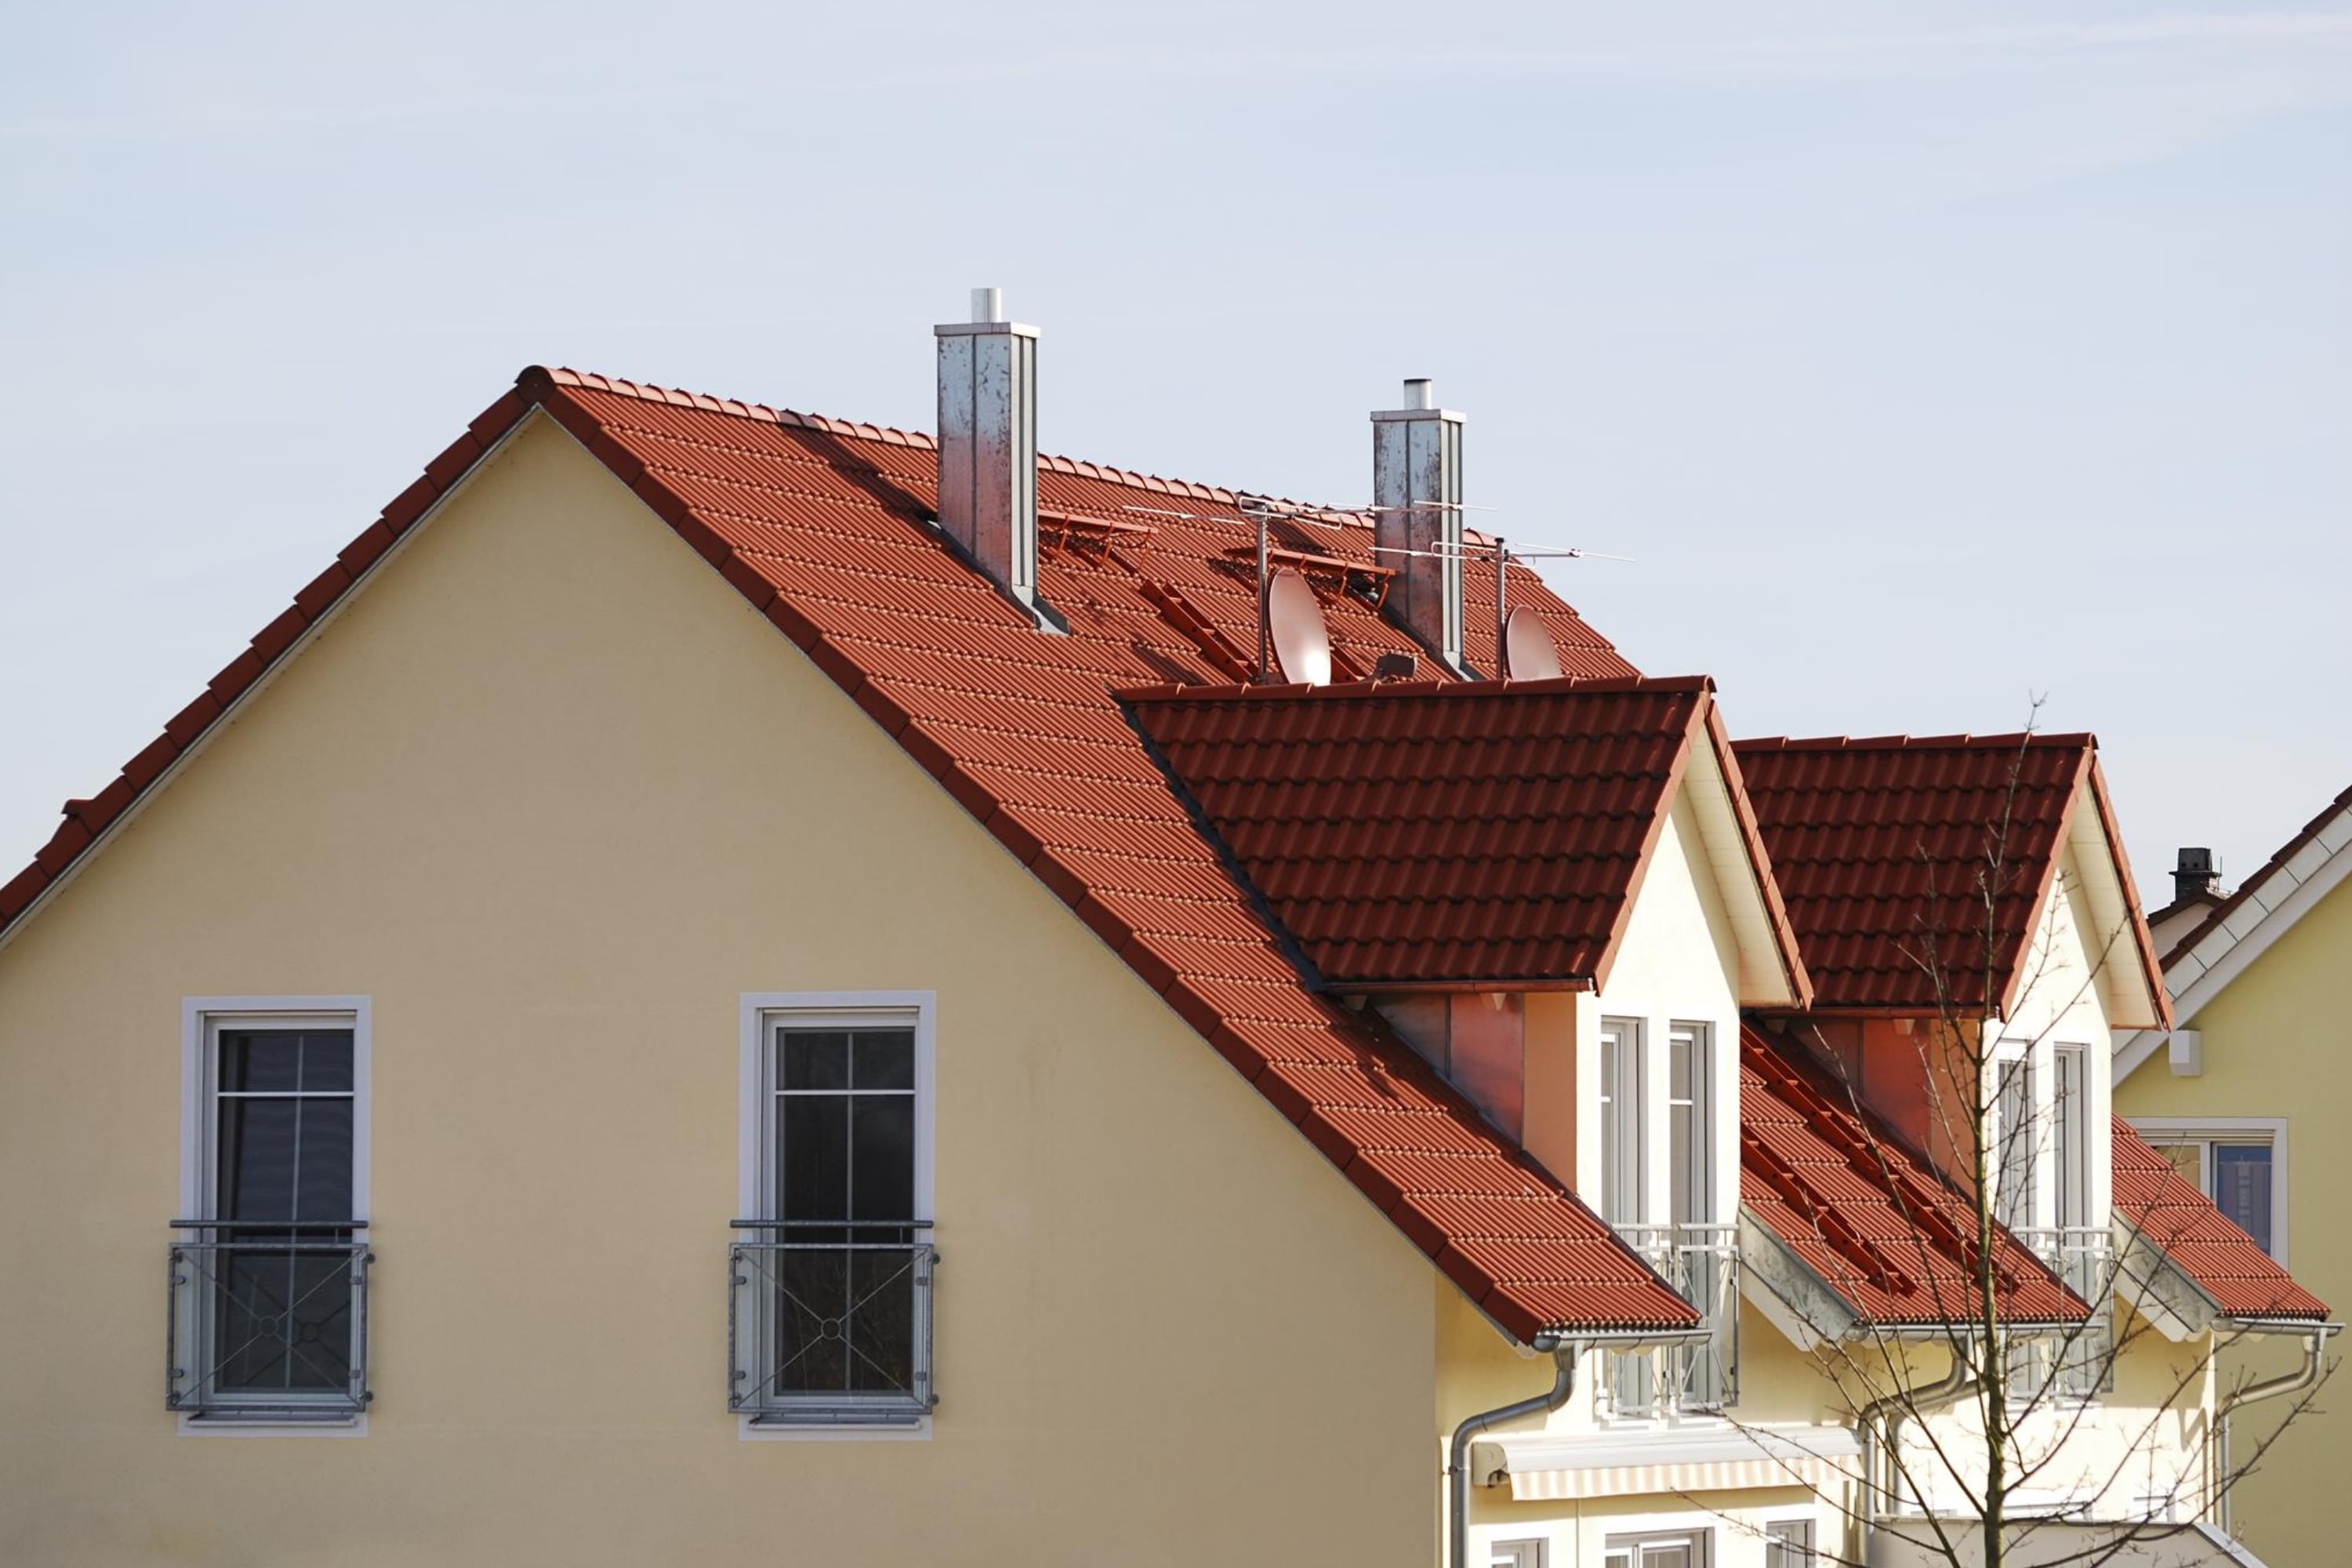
2010 1452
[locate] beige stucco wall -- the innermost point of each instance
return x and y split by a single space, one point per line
553 797
1678 962
2278 1043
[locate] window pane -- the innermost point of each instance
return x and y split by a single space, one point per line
813 1136
2242 1187
2189 1159
1678 1128
2070 1145
884 1059
323 1160
327 1062
1790 1543
882 1142
2013 1127
259 1060
815 1059
257 1159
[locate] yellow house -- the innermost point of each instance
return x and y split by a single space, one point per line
729 984
2261 991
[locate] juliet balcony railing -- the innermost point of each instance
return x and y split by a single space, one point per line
2084 1257
1702 1263
267 1320
829 1323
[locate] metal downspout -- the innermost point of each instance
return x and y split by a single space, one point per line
1458 1470
1954 1384
2254 1393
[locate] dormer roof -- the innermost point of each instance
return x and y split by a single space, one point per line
1917 869
1443 835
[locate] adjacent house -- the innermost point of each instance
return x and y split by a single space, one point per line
727 980
2261 990
1972 934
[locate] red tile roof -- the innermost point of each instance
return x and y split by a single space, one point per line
1862 1210
824 526
2182 1222
1886 849
1443 833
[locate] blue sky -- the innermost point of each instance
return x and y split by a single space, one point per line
1925 357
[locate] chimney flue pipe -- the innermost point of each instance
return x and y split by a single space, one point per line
987 442
1417 516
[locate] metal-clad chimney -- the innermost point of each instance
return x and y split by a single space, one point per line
987 442
1417 491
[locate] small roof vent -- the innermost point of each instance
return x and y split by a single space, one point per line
1302 642
1529 651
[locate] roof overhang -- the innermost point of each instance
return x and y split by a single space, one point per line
1771 969
2312 865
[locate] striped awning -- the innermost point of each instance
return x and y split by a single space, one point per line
1544 1467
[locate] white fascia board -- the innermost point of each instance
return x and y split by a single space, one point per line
2283 898
1763 977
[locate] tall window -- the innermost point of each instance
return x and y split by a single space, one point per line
1688 1124
837 1259
2071 1134
268 1277
2016 1146
1623 1098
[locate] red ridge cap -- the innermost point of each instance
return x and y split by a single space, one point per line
1452 691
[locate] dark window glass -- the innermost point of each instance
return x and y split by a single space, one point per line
813 1060
280 1299
886 1059
257 1062
844 1130
813 1132
882 1157
2242 1187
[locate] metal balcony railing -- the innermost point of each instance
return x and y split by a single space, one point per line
267 1320
1702 1263
829 1323
2084 1257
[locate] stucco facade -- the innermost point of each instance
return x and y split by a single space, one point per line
2274 1058
554 798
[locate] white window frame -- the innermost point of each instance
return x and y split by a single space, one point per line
1699 1538
1775 1546
761 1013
201 1020
1625 1132
2069 1137
1698 1177
2018 1056
2207 1130
1527 1552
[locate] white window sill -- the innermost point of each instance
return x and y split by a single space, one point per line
194 1426
751 1430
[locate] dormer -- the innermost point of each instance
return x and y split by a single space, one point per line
1968 917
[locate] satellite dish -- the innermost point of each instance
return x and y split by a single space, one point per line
1302 643
1528 652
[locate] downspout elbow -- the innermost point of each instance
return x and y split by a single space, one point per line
1457 1469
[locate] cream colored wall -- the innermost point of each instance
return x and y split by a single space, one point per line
553 795
1678 960
2146 1438
2278 1043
